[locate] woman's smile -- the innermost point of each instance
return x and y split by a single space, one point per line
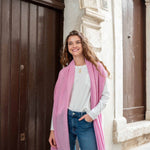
75 50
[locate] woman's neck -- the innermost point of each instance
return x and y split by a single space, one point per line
79 61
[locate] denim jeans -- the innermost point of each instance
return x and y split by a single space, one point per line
82 130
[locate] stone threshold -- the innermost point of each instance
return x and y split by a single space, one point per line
137 129
129 131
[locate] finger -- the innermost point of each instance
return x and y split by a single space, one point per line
52 143
54 146
49 140
82 118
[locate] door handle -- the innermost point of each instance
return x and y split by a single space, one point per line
129 36
21 67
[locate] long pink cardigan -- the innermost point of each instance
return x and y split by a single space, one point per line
62 94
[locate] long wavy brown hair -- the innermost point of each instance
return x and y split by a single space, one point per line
88 53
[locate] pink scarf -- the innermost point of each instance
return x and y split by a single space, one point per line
62 95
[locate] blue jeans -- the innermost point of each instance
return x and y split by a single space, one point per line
82 130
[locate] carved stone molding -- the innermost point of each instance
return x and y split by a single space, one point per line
92 19
91 22
88 4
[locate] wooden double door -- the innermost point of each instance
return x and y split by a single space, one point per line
30 41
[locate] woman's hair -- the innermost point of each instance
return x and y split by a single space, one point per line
88 53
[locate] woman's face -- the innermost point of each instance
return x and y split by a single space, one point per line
75 46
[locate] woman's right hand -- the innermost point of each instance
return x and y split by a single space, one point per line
52 139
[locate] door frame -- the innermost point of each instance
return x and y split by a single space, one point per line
51 3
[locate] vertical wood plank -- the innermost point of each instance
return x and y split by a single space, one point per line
40 79
32 78
49 68
127 43
58 39
5 73
14 102
24 55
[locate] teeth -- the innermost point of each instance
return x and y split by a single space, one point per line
75 50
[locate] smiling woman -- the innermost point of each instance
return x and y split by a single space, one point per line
78 101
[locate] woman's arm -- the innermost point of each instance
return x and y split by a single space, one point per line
52 128
52 140
90 116
102 103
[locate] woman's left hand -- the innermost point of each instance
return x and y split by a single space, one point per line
86 117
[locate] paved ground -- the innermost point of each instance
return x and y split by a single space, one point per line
143 147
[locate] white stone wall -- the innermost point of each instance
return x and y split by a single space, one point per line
72 16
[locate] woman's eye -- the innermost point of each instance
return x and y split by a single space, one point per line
70 43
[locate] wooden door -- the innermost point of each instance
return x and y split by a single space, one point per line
30 40
134 60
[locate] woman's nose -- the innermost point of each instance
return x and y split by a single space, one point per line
74 45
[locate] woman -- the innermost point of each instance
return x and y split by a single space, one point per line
80 95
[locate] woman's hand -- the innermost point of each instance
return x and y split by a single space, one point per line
52 139
86 117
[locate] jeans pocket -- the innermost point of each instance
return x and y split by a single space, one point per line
87 121
84 124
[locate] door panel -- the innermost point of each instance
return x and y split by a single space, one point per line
23 74
134 59
30 37
14 76
40 78
5 74
31 128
